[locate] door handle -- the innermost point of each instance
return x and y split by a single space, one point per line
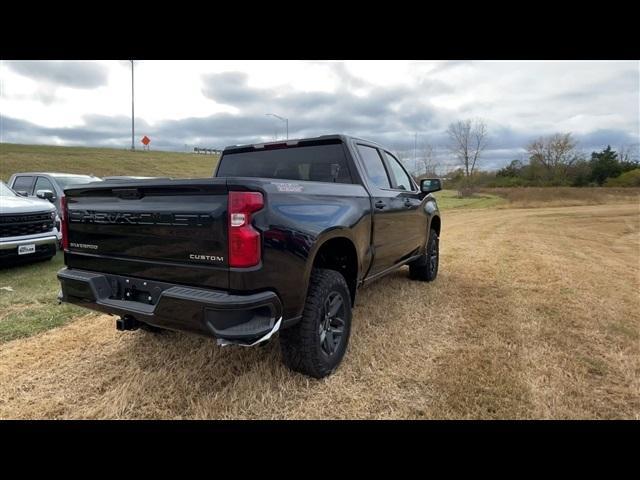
380 204
407 203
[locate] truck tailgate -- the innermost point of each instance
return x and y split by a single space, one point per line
169 230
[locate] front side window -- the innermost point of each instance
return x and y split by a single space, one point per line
402 180
373 166
23 184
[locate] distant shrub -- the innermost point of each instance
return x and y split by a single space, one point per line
508 182
627 179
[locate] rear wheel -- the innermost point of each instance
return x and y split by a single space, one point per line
426 267
316 345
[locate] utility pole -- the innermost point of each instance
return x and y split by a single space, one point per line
133 147
415 148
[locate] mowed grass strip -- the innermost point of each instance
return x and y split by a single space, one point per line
534 197
449 199
103 161
535 314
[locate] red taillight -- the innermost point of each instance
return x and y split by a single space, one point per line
244 240
64 222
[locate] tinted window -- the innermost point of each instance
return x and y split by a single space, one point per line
316 163
44 184
374 166
23 184
403 182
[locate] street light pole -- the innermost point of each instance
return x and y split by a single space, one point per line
132 111
285 120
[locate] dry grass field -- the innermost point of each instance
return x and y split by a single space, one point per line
528 197
535 314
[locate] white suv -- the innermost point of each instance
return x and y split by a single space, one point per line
28 227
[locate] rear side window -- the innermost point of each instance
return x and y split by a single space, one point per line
403 182
23 184
374 166
44 184
316 163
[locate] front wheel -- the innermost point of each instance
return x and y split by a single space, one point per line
426 267
316 345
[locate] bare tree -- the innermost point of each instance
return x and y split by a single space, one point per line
556 153
629 153
468 139
427 160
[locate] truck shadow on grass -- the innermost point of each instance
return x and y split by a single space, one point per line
191 375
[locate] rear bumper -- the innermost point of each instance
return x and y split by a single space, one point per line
233 318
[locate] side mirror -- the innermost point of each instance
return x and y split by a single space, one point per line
428 185
45 195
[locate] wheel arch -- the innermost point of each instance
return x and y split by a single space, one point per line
436 224
337 251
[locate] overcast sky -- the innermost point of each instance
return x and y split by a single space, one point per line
219 103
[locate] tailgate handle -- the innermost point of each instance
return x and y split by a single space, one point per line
127 193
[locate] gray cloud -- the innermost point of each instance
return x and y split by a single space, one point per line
83 75
230 88
382 112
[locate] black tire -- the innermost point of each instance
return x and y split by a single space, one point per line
316 345
426 268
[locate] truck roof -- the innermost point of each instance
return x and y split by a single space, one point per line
294 141
56 174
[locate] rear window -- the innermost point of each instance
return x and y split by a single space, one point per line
316 163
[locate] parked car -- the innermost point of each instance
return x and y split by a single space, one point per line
46 185
27 227
281 239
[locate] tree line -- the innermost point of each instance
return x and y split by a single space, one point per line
553 160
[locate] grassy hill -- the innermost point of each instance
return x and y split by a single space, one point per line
102 161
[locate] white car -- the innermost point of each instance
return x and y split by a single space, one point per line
29 227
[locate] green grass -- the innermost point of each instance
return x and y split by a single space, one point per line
31 306
102 161
448 199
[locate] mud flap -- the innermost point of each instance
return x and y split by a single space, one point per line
223 342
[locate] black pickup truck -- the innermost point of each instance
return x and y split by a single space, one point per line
279 240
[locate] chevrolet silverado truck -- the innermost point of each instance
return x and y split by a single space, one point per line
27 228
279 240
